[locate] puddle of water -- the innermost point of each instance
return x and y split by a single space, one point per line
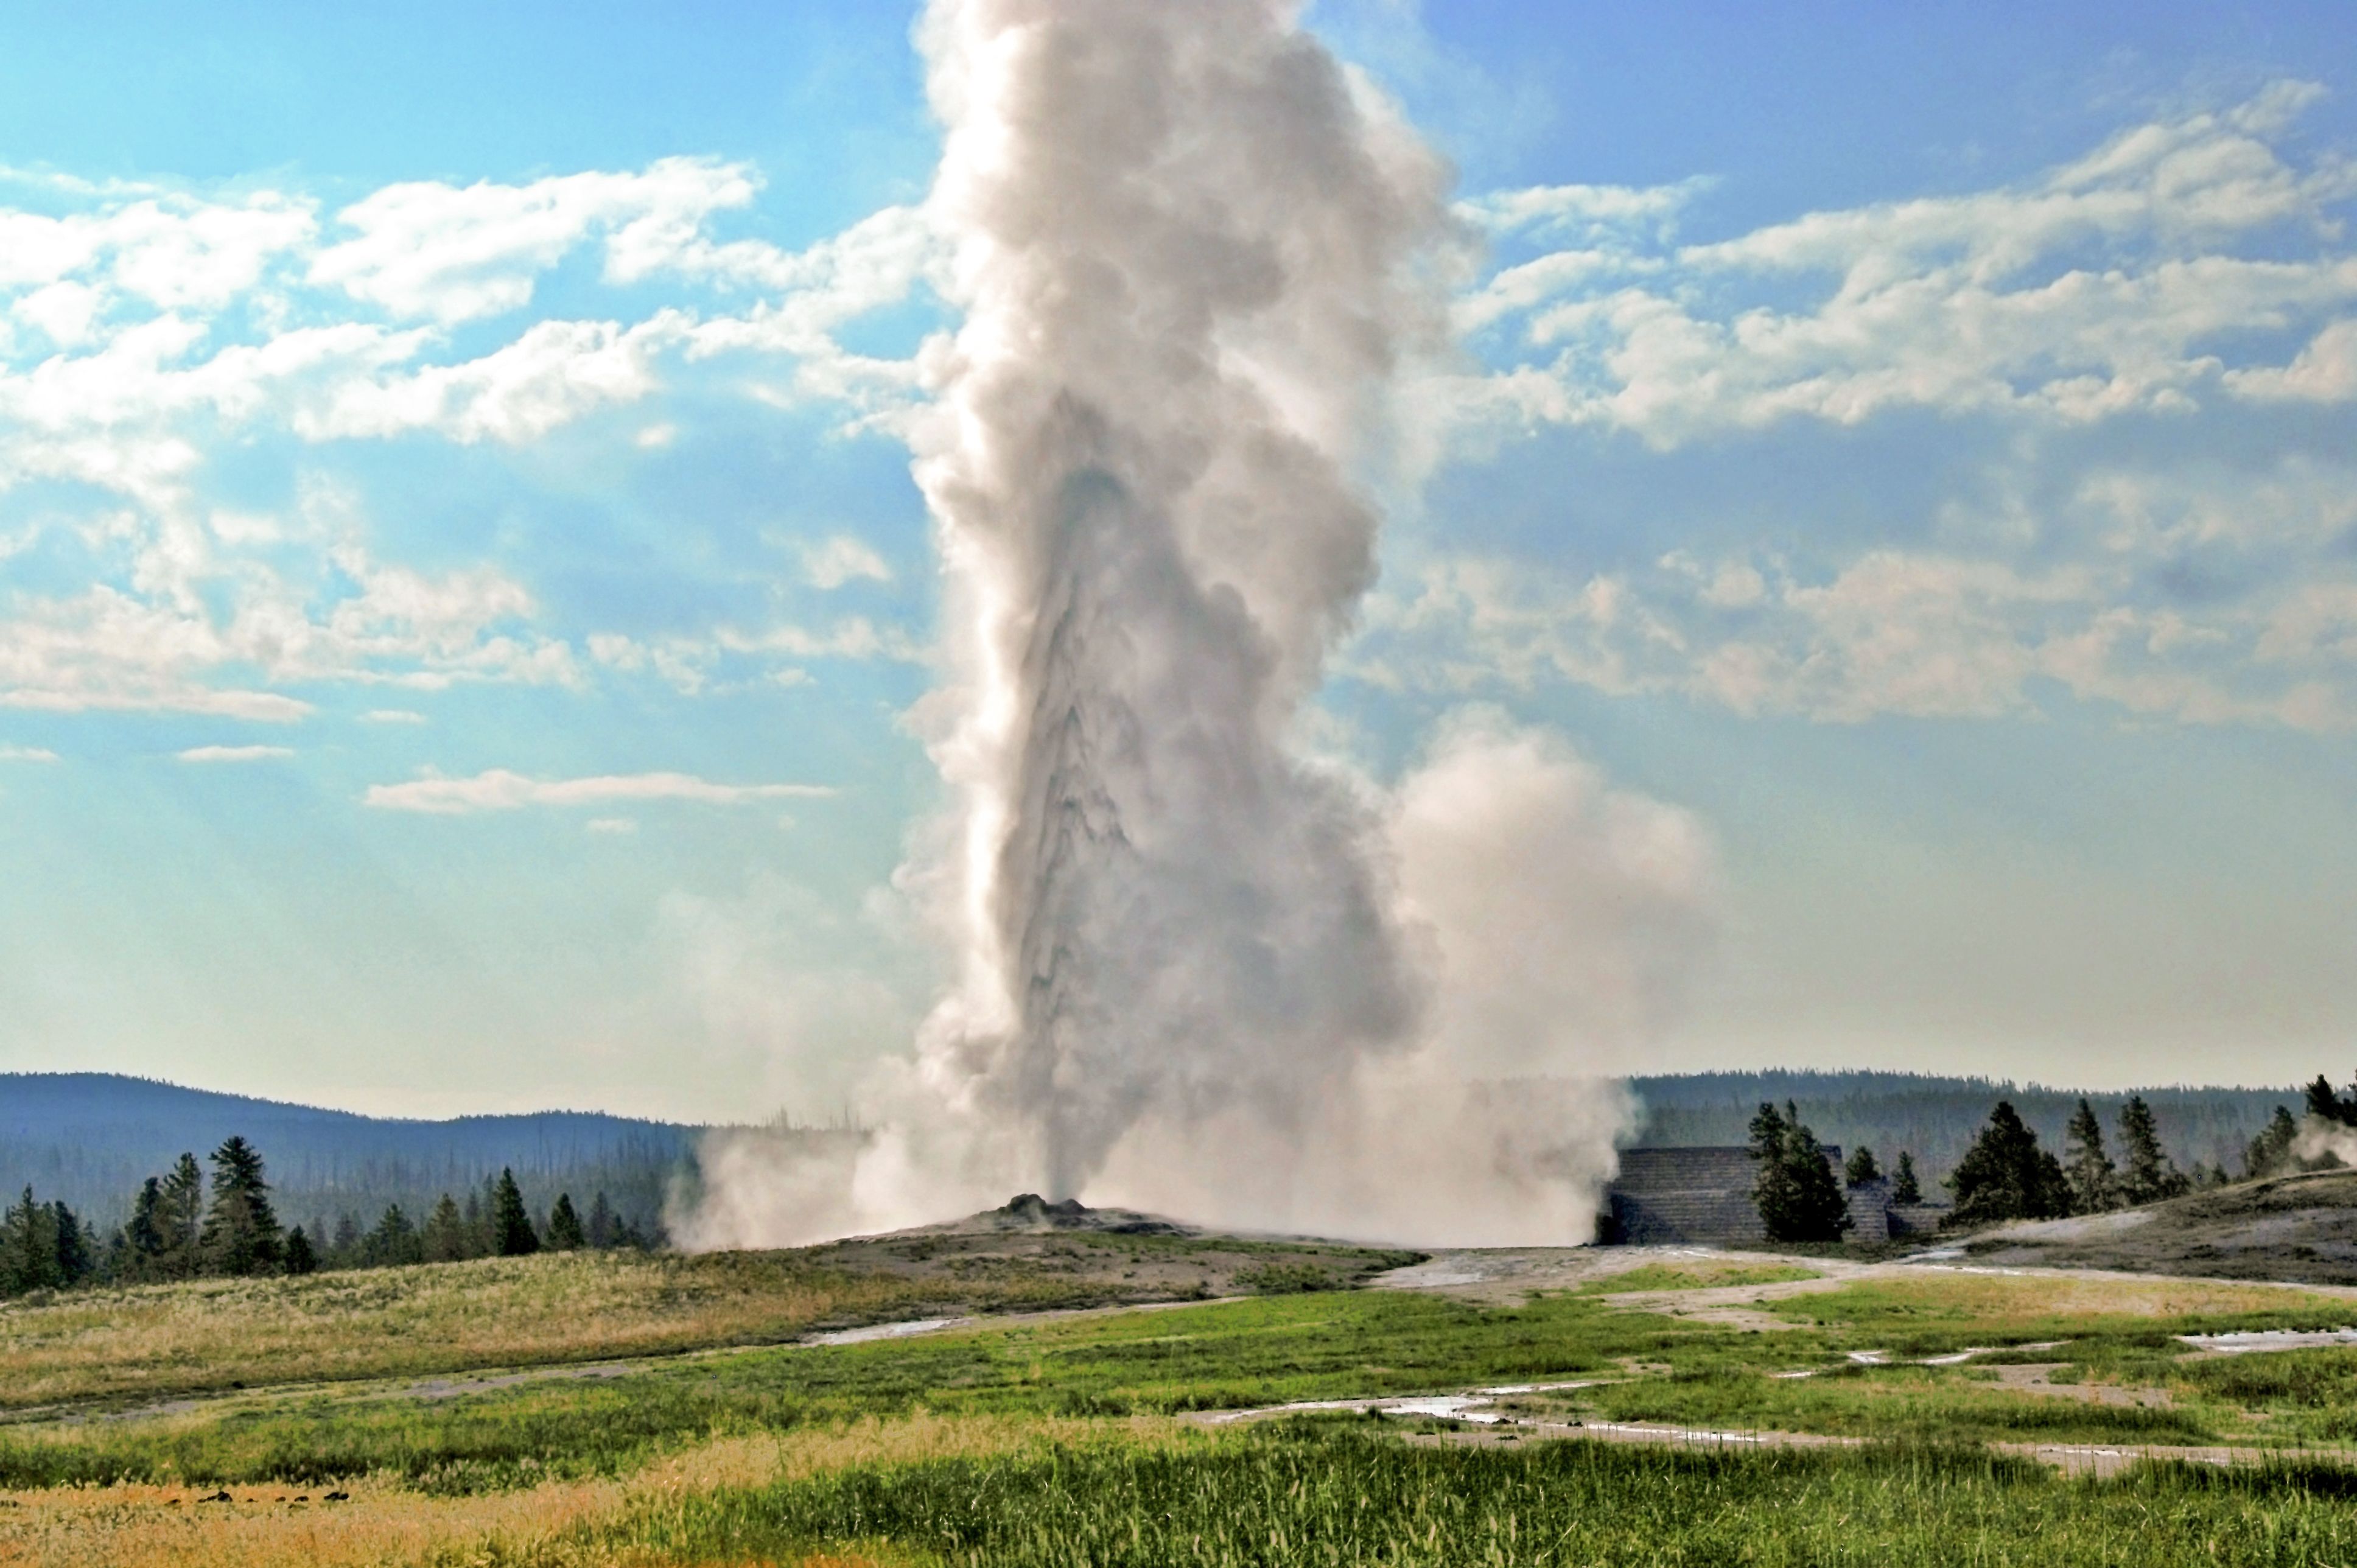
1453 1407
867 1332
1787 1376
1870 1358
2247 1340
1538 1388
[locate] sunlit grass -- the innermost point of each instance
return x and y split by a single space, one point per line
1335 1495
1702 1275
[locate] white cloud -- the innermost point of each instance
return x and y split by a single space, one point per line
610 825
840 560
2118 283
234 753
452 253
1890 632
26 754
392 716
552 375
500 790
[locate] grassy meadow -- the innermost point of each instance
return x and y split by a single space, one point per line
1032 1435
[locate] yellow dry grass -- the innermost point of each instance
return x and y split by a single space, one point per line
264 1527
153 1340
1995 1297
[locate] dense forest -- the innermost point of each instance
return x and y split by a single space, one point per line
1938 1118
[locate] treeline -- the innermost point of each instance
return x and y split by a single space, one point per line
1939 1118
88 1139
183 1225
2005 1175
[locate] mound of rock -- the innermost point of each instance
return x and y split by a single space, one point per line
1029 1212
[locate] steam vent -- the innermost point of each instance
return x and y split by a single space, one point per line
1703 1195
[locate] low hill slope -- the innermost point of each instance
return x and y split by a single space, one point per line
2299 1228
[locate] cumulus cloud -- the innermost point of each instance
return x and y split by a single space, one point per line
500 790
234 753
142 328
841 559
1985 302
392 716
451 253
26 754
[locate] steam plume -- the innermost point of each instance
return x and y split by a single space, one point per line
1190 251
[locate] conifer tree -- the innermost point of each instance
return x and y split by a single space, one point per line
1861 1168
1904 1186
242 1234
2270 1153
601 1231
1772 1193
77 1248
481 1227
511 1222
563 1226
394 1241
2094 1184
28 1247
2326 1106
346 1250
300 1258
180 1217
2006 1175
2151 1175
143 1235
1797 1194
445 1240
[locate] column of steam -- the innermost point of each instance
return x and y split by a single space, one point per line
1183 247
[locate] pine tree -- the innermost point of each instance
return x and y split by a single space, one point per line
180 1217
601 1231
143 1237
346 1250
300 1258
28 1248
563 1226
242 1234
1821 1212
1862 1168
2327 1106
2006 1175
1796 1192
2150 1176
1771 1188
2094 1184
77 1249
394 1241
511 1231
1904 1186
482 1237
2270 1153
445 1238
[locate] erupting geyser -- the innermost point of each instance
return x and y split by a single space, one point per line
1190 251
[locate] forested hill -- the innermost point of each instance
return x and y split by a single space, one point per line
90 1138
1937 1117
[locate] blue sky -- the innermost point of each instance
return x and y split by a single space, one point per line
462 592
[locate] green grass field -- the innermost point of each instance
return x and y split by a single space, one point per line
1078 1437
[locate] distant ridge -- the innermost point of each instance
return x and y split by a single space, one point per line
89 1138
